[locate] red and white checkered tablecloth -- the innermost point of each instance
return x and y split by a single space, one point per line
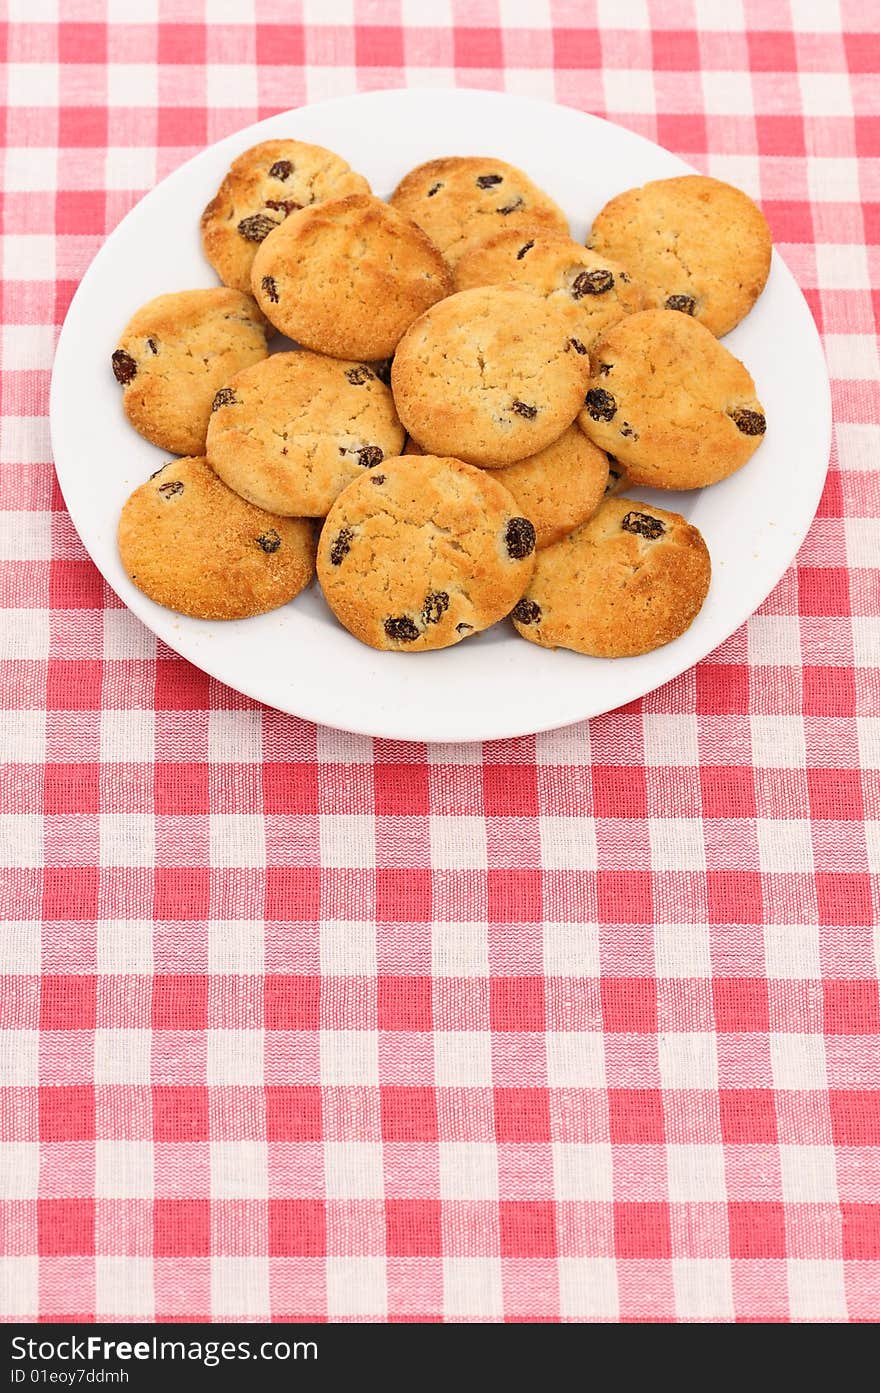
580 1027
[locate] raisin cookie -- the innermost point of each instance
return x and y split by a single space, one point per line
490 375
598 292
671 402
191 544
263 185
291 432
348 277
558 488
631 579
460 200
175 353
694 244
422 553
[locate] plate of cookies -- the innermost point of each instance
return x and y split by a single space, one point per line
441 415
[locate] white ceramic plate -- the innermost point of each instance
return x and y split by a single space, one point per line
495 685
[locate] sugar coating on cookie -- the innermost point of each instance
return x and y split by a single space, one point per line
176 352
597 291
695 244
462 199
489 375
348 277
671 402
263 186
422 553
192 545
630 580
291 432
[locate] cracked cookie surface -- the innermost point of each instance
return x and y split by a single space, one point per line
174 355
630 580
192 545
489 376
423 552
461 199
348 277
262 187
694 244
595 290
291 432
675 407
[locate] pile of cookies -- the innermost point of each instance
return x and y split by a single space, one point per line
466 393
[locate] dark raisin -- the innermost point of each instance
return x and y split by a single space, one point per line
377 478
512 206
157 472
359 375
124 366
281 169
256 227
270 289
269 541
225 397
169 490
592 283
520 538
341 546
523 408
463 628
624 277
576 345
382 370
435 606
600 404
527 612
487 181
527 247
643 525
370 456
685 303
283 205
403 630
152 345
749 422
628 431
435 188
605 368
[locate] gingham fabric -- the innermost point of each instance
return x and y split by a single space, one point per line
301 1025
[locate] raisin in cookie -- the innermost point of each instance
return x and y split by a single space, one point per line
490 375
598 292
191 544
174 355
671 402
558 488
694 244
291 432
423 552
631 579
461 200
263 186
348 277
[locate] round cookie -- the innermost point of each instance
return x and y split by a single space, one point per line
631 579
694 244
348 277
489 375
671 402
191 544
558 488
598 292
461 199
174 355
422 553
262 187
291 432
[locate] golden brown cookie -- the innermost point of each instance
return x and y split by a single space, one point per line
422 553
348 277
291 432
671 402
598 291
174 355
192 545
489 376
631 579
262 187
694 244
458 200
